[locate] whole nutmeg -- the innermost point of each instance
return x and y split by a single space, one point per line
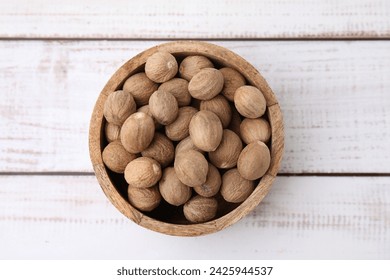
227 153
137 132
161 149
144 199
178 129
185 145
206 84
255 129
142 172
118 107
191 168
163 106
250 102
191 65
206 130
179 89
254 160
146 109
112 132
234 187
116 158
161 67
172 189
140 87
212 184
200 209
232 81
220 106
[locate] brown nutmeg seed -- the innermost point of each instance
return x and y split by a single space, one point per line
118 107
179 89
250 102
112 132
252 130
234 187
161 67
206 130
142 172
232 81
140 87
185 145
227 153
161 149
137 132
191 168
200 209
254 160
116 158
172 189
178 129
144 199
163 106
212 184
191 65
206 84
219 106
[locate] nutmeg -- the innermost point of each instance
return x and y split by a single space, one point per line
191 168
118 107
227 153
161 67
116 158
179 89
220 106
172 189
234 187
146 109
137 132
206 130
191 65
144 199
112 132
200 209
161 149
142 172
140 87
235 122
163 106
185 145
232 81
250 102
206 84
254 160
212 184
178 129
255 129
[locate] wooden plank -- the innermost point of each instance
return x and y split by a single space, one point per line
195 19
334 97
45 217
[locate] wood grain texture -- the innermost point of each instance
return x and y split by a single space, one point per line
195 19
334 98
45 217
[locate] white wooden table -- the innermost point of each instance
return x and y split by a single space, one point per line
327 61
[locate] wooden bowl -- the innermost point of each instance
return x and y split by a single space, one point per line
167 219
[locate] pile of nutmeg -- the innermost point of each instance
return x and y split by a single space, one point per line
186 133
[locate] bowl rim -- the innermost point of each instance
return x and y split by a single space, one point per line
226 58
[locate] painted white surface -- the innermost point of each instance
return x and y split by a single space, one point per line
45 217
334 97
195 19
